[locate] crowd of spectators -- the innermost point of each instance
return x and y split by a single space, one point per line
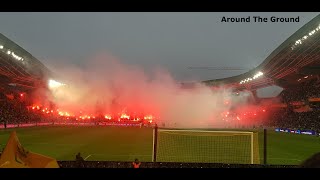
15 113
284 118
302 92
307 118
312 88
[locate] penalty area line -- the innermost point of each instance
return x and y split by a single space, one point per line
87 157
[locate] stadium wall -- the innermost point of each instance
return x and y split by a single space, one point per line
113 164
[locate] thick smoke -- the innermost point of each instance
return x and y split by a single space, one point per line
104 85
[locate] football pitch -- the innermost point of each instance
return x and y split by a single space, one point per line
99 143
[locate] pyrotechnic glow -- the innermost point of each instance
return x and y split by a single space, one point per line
102 93
149 117
124 116
107 117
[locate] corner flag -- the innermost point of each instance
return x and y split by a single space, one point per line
15 156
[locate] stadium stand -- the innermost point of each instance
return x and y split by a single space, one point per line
294 66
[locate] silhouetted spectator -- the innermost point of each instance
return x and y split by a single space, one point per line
79 160
312 162
136 163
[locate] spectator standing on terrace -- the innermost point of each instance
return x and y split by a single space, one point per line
79 160
136 163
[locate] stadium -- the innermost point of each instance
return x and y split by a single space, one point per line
268 132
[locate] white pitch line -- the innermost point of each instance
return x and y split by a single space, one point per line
53 144
121 155
87 157
286 159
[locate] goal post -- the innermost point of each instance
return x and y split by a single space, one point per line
203 146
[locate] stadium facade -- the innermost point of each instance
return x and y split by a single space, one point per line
19 70
296 60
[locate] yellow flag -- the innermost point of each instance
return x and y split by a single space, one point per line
15 156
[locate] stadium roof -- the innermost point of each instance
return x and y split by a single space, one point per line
295 59
18 68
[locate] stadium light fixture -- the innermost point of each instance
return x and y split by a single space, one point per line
16 56
54 84
253 78
1 47
8 52
299 41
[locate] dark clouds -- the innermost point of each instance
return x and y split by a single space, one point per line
172 40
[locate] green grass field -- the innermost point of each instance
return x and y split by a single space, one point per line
128 143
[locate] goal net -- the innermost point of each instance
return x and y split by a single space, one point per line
199 146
